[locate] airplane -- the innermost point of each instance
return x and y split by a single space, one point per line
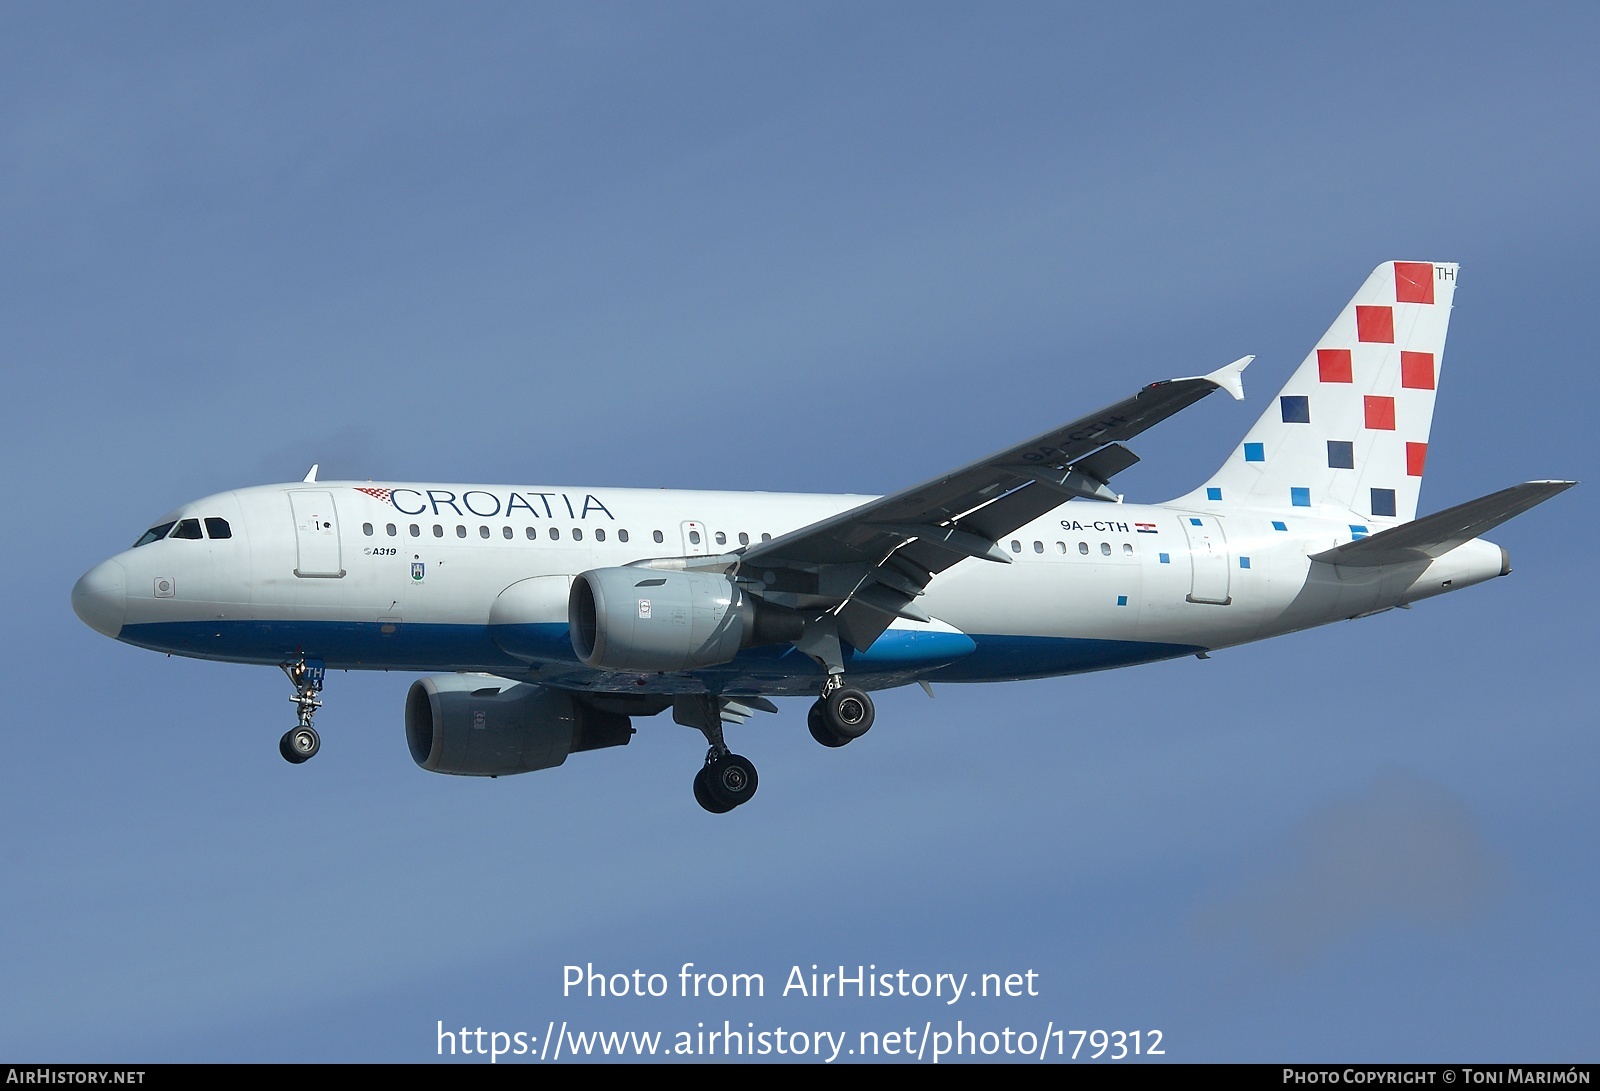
551 617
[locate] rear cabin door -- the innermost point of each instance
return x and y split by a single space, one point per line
316 534
1208 558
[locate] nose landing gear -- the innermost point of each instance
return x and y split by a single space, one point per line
301 742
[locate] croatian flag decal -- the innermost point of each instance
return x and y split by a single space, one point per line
1146 528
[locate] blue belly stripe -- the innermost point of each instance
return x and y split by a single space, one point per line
898 657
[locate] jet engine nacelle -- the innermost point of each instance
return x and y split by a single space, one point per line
646 619
478 725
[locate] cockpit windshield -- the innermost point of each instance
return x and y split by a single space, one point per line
154 534
186 528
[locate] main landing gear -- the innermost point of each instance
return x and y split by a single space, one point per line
842 714
301 742
726 780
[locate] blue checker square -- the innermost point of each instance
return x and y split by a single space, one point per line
1255 452
1244 562
1358 531
1279 524
1383 501
1300 498
1122 600
1341 454
1165 558
1296 409
1196 523
1213 494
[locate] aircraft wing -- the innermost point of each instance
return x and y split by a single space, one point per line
869 564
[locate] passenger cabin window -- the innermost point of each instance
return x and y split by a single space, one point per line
1127 549
416 531
366 528
1038 547
505 532
1061 547
532 534
1083 547
461 531
622 536
744 539
1016 546
599 535
577 534
555 533
154 534
438 530
388 528
483 532
1105 548
766 537
188 528
657 535
218 528
722 539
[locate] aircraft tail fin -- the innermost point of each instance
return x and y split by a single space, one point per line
1349 431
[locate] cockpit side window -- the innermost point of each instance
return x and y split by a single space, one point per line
218 528
154 534
187 528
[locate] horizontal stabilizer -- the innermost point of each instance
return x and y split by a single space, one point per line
1437 534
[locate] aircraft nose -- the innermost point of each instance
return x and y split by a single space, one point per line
100 597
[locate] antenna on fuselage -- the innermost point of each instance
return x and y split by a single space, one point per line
311 474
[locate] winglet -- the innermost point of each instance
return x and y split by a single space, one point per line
1231 377
311 474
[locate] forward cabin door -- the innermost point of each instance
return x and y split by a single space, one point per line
316 534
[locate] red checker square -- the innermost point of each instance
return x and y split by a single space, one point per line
1380 412
1416 370
1413 282
1416 457
1333 365
1375 324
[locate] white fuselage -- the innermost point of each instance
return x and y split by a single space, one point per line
407 576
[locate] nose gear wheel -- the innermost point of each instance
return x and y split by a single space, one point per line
301 742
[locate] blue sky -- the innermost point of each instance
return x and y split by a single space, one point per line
816 248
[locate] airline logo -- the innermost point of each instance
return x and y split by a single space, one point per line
486 504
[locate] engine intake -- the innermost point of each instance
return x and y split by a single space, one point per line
645 619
